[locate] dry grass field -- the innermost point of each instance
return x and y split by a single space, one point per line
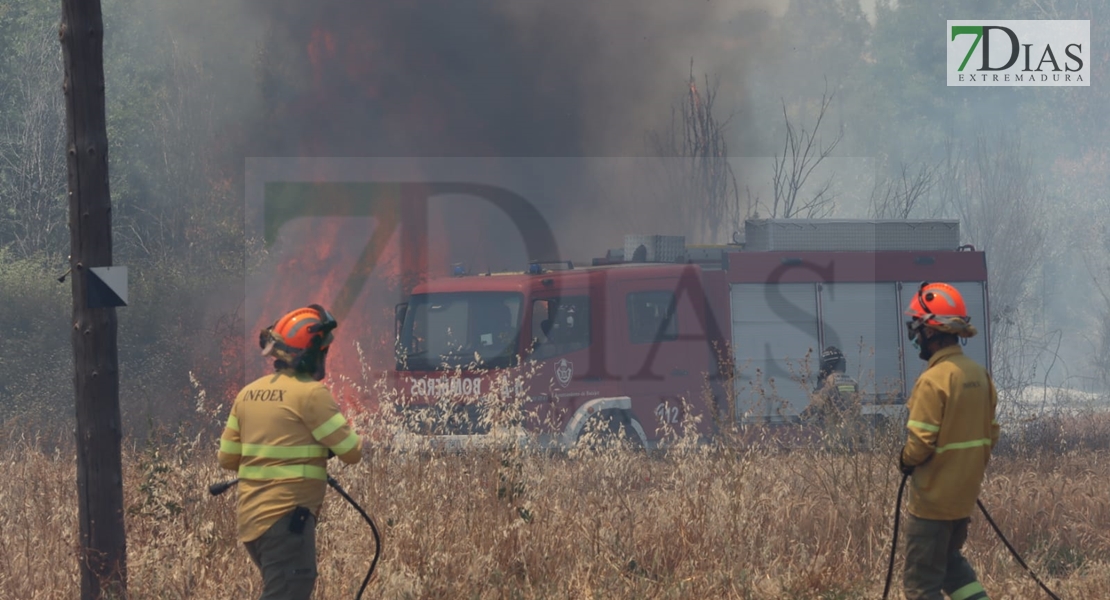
753 520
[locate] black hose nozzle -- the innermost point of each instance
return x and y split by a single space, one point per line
220 487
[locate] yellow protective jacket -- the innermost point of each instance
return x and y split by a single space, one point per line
951 432
836 396
839 391
277 437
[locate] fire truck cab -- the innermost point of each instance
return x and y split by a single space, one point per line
623 343
659 338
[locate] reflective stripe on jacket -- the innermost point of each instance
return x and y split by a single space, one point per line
838 392
950 434
277 438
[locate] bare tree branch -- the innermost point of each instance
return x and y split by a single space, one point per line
1002 208
704 174
1096 261
802 153
898 197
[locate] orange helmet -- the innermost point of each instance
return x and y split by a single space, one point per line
939 306
299 331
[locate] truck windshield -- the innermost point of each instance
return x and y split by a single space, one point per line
463 329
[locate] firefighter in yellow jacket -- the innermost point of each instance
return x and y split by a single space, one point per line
282 429
835 404
950 434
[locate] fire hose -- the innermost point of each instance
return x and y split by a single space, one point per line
218 488
894 543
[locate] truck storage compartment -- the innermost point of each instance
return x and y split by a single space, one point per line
864 321
774 328
779 329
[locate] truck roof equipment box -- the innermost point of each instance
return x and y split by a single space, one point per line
849 235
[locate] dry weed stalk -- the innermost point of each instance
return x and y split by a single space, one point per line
735 518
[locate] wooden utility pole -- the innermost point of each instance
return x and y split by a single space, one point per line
103 551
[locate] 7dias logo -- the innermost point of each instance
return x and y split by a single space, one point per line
1019 53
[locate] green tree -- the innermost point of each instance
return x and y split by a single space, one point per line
903 107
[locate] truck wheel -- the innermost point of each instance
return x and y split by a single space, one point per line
608 429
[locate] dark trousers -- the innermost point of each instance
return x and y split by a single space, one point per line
934 562
287 560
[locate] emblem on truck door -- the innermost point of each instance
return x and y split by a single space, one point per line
564 369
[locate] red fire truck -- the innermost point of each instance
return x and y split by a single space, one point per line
658 332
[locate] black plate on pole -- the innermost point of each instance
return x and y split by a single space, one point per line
106 287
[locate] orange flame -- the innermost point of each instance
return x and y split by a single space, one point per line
344 63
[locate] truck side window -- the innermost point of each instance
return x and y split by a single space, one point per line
651 317
560 325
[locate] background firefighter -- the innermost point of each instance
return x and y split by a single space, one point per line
951 432
282 429
835 404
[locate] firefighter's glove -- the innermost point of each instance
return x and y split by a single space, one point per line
907 470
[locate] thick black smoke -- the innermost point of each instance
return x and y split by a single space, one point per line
483 77
499 78
490 79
